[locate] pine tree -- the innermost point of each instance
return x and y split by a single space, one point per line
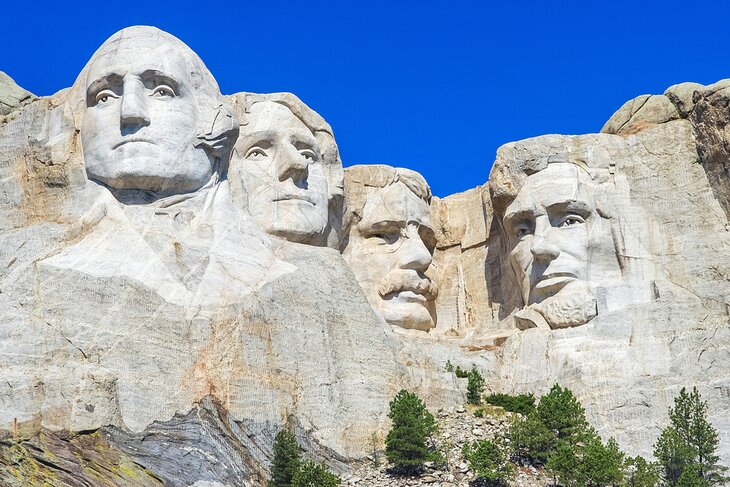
474 386
562 414
687 446
530 439
312 474
640 473
406 446
488 461
287 459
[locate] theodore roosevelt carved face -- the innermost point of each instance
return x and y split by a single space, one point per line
144 90
279 165
390 243
558 243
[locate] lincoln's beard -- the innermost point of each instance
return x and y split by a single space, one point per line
574 305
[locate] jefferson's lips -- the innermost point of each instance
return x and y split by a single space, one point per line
130 140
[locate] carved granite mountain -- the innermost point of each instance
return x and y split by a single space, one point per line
183 271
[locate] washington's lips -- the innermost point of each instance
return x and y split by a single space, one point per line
295 197
132 140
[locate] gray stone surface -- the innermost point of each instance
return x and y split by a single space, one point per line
12 96
155 309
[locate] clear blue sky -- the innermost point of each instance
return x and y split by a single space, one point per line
433 86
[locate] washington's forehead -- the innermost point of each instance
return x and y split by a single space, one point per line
135 56
270 116
395 203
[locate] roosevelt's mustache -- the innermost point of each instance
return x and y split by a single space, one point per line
404 280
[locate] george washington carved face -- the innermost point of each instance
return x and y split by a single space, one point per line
142 114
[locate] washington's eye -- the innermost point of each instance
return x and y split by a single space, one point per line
256 154
104 96
570 221
308 154
163 91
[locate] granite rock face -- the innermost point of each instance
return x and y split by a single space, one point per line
163 296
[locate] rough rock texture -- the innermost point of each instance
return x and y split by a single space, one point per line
12 96
457 426
143 312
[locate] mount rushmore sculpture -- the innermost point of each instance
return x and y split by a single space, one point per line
165 247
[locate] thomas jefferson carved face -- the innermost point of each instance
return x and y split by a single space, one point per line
555 233
389 251
141 119
280 167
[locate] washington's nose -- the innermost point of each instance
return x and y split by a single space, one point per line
414 253
293 165
134 112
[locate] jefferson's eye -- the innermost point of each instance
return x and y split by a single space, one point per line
104 96
255 154
163 91
570 221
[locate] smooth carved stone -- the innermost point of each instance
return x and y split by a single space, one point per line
390 243
133 296
286 170
151 116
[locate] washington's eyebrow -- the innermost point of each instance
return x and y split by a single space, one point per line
160 78
103 82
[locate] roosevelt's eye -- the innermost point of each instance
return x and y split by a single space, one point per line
104 96
163 91
570 221
255 154
386 237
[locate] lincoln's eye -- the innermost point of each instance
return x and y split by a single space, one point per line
522 230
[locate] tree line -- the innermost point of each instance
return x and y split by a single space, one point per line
552 433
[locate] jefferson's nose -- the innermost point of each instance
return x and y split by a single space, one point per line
542 247
413 252
292 165
134 104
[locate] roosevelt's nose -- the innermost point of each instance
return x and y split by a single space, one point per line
134 111
542 247
291 164
413 252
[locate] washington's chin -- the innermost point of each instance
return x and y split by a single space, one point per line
147 172
407 310
296 231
